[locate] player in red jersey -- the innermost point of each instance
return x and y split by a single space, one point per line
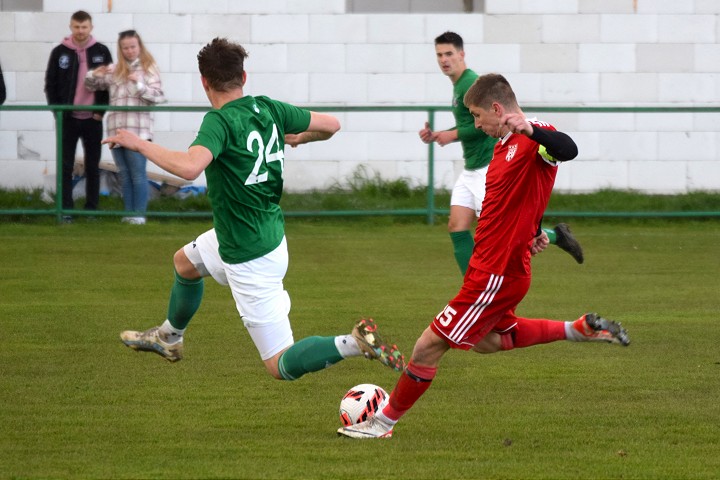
482 316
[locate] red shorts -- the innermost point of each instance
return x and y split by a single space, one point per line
485 302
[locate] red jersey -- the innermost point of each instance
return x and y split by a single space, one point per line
518 186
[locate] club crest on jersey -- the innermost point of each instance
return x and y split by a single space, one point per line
511 152
64 62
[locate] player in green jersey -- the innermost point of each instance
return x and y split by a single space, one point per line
469 190
240 148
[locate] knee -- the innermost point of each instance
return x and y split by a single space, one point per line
183 266
179 259
429 349
493 342
274 373
461 221
454 225
271 367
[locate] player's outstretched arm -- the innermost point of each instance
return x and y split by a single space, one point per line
187 165
558 144
322 127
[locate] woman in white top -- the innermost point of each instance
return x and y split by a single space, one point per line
133 81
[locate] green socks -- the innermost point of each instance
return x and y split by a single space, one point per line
550 232
185 298
308 355
463 244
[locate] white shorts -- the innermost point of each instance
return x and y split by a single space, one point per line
469 190
256 286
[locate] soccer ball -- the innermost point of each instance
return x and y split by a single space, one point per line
360 403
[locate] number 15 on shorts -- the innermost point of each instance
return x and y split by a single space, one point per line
446 316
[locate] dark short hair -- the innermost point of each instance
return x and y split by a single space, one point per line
488 89
452 38
81 16
221 63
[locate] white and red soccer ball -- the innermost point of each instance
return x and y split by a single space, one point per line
360 403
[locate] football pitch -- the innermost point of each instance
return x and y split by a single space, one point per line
76 403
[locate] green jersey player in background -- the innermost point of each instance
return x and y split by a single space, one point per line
240 147
469 190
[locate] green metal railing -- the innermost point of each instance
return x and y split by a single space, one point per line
429 211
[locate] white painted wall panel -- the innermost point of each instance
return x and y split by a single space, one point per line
139 6
577 29
603 57
628 28
561 53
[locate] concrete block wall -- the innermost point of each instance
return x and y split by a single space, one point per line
313 52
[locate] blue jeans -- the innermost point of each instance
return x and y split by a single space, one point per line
133 177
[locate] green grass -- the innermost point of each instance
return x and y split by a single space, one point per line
365 191
75 403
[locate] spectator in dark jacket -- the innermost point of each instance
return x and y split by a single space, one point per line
65 85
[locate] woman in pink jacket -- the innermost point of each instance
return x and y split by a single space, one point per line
133 81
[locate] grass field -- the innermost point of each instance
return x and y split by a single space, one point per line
76 403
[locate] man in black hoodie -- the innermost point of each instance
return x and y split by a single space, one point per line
64 85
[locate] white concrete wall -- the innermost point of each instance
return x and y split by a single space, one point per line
310 52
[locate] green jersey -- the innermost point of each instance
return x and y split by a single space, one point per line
477 145
246 138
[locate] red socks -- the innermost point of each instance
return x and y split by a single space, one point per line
530 332
414 381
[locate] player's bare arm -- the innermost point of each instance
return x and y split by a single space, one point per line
187 165
443 137
322 127
446 137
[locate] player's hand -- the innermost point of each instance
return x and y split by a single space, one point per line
517 123
446 137
426 135
124 139
539 243
100 71
292 139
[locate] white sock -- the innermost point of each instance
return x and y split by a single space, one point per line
570 333
171 334
383 419
347 346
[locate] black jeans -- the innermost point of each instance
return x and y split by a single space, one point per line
90 132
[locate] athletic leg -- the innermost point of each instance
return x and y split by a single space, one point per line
465 206
526 332
418 375
185 298
412 384
459 227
